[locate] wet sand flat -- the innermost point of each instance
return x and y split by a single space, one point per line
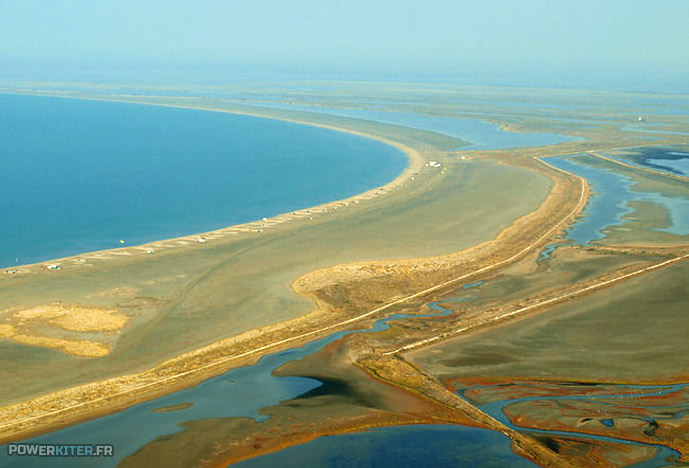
632 332
232 285
474 197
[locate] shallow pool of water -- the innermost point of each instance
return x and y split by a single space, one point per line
663 453
232 394
610 199
663 159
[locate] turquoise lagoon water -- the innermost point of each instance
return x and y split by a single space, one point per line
480 135
663 105
81 175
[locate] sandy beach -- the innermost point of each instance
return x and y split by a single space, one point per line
350 287
424 276
415 163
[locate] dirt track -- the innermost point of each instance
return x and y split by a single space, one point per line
98 398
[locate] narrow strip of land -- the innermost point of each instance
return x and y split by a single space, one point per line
323 330
639 168
538 305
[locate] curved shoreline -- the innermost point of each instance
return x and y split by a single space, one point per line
87 401
246 347
414 158
93 399
136 396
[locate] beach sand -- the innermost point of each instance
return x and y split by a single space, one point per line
429 216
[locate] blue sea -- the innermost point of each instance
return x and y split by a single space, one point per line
80 175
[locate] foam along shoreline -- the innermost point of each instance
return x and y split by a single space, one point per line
415 162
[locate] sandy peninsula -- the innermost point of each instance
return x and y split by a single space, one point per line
396 248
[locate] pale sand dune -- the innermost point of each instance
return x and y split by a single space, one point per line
39 326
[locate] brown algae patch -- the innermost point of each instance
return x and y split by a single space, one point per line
6 331
91 320
74 318
44 326
81 348
177 407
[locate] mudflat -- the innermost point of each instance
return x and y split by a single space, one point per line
479 216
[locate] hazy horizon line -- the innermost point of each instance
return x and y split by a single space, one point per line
196 73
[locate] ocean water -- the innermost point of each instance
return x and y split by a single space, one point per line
81 175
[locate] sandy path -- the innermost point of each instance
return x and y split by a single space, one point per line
16 415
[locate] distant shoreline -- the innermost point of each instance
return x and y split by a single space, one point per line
414 162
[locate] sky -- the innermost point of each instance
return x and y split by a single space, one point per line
582 38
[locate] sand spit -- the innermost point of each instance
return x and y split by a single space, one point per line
80 348
416 163
400 281
341 294
399 372
568 196
248 229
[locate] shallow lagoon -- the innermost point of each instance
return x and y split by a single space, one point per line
609 203
480 134
677 166
81 175
664 457
661 159
454 446
233 394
